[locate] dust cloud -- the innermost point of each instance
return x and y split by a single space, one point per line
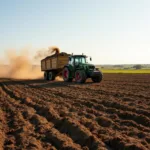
46 52
20 66
59 78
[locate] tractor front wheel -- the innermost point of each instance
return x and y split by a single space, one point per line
80 76
97 79
66 75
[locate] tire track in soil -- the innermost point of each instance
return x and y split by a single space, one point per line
85 138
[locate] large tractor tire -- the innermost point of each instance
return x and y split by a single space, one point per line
45 75
80 76
51 76
98 78
66 75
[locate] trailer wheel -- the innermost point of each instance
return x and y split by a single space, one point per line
45 75
51 76
80 76
66 75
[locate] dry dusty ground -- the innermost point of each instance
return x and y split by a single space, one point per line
115 114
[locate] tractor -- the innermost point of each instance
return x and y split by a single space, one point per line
79 69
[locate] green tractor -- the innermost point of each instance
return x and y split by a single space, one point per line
78 69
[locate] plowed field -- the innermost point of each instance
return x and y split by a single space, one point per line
111 115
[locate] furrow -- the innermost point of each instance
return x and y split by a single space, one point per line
54 117
3 122
103 106
109 122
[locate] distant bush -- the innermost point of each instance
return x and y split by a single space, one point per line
137 66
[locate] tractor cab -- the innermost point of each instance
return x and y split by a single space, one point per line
81 62
75 60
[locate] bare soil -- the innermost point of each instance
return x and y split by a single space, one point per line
111 115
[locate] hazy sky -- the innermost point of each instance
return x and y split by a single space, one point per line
111 31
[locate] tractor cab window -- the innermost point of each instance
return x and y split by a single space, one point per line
80 60
76 60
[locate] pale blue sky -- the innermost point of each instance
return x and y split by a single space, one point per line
111 31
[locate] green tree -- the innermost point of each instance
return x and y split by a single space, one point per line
137 66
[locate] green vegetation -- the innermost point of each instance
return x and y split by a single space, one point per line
125 71
125 68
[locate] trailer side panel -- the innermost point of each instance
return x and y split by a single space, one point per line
62 61
54 62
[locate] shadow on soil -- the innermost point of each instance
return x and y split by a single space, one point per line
39 83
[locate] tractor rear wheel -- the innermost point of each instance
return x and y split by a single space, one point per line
66 75
97 78
80 76
51 76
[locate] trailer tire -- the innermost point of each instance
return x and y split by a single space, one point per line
51 76
45 75
80 76
66 75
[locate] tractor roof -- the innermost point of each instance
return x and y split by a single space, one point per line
78 56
